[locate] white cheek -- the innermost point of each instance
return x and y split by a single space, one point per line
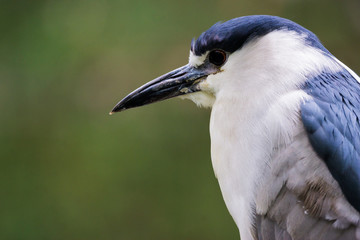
213 83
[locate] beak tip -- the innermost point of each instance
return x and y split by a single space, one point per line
117 108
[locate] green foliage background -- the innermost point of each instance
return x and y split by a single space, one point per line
70 171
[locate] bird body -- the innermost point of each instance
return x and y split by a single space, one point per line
284 127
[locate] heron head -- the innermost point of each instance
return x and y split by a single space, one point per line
214 61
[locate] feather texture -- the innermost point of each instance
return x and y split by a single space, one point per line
331 119
309 204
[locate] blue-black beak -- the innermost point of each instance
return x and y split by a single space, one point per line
175 83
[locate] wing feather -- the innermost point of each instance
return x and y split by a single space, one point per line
331 119
309 203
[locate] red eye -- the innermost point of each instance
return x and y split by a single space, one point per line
217 57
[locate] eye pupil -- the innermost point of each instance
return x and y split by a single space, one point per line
217 57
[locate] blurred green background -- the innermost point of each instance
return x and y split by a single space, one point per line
69 170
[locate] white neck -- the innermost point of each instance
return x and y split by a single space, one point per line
253 101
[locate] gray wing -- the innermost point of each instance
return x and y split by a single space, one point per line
299 198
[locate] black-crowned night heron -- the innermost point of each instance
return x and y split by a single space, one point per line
285 128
